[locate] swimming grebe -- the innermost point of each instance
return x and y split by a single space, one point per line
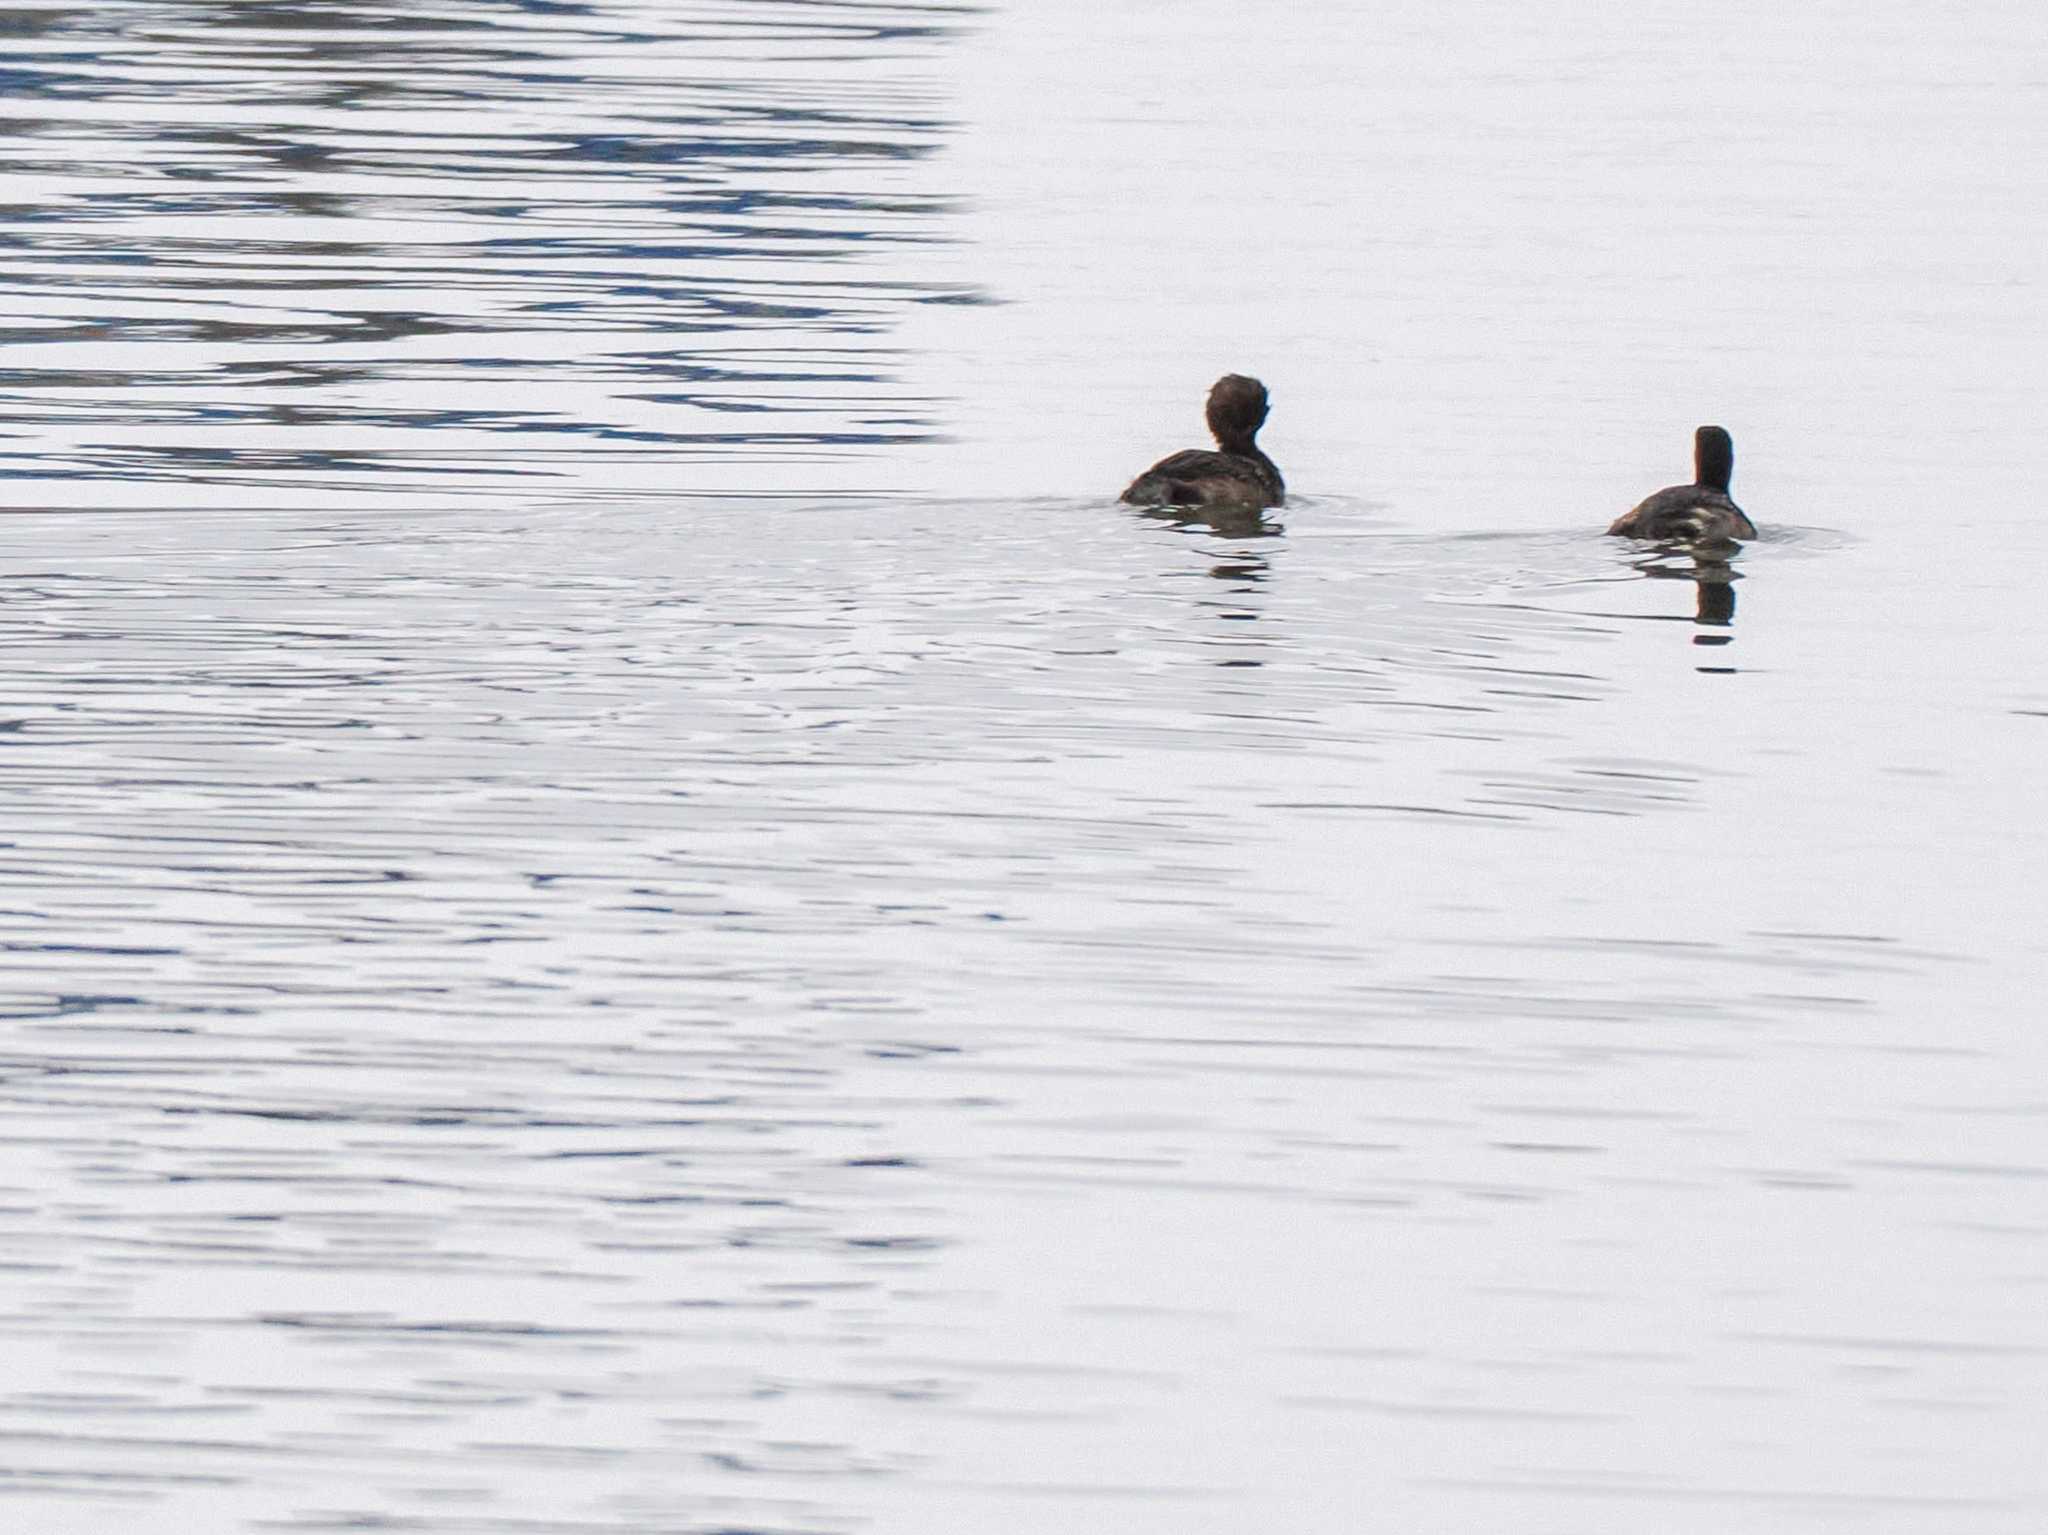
1698 513
1237 475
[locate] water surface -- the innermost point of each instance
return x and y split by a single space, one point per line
631 904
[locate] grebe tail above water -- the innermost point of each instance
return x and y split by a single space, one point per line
1701 512
1235 475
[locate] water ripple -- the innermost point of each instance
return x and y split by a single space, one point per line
448 235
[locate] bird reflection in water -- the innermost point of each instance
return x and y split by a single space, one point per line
1226 521
1713 578
1245 569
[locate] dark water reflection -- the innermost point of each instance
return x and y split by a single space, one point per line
1713 574
276 252
1229 535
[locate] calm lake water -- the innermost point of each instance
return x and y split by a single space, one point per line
632 903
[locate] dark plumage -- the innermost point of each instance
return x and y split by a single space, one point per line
1236 475
1699 513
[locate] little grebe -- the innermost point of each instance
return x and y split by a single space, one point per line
1236 475
1701 512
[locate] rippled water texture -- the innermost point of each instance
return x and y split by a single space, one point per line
631 904
282 254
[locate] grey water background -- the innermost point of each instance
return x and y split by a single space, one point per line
632 904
